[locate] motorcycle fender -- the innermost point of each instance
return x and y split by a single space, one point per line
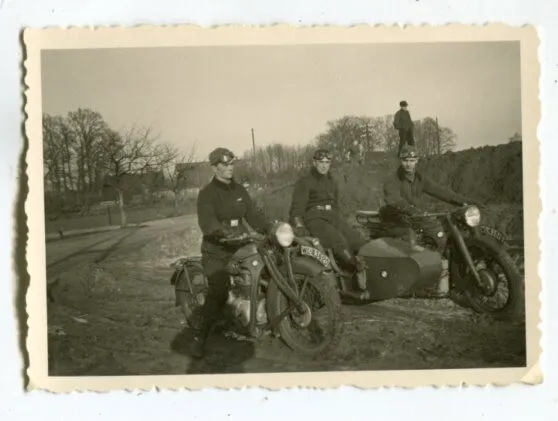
309 267
176 274
304 266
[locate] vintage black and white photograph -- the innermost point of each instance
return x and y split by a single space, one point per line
363 205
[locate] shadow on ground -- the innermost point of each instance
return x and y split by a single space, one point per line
223 355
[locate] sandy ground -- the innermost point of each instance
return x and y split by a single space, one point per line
112 313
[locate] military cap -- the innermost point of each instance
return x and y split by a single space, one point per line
323 155
408 151
403 104
221 156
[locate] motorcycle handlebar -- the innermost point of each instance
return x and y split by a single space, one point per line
242 238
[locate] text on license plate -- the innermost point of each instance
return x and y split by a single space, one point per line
316 254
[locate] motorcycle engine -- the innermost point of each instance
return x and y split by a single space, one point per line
239 299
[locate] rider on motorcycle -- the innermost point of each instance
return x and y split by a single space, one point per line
315 208
222 204
403 197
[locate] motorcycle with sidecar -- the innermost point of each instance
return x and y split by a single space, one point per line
270 275
481 273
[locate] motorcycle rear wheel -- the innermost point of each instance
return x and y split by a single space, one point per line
290 327
187 301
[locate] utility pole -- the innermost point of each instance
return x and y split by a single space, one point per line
253 145
438 137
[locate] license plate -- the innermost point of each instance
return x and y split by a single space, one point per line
316 254
497 235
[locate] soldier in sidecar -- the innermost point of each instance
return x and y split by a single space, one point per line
315 210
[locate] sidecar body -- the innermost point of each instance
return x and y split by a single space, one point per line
396 268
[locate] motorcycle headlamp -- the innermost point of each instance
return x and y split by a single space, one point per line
284 234
472 216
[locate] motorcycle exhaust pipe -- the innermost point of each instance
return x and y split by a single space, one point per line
356 295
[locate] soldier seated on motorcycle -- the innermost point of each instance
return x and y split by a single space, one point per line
403 195
315 210
222 204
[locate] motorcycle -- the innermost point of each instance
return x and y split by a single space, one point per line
472 252
273 288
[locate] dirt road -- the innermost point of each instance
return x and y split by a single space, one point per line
112 313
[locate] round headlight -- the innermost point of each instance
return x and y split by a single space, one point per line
472 216
284 234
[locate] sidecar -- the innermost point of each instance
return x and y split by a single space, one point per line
396 267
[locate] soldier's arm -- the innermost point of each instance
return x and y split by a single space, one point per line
396 120
393 198
207 219
253 216
439 192
299 199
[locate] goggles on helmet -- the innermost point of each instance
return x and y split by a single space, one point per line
323 156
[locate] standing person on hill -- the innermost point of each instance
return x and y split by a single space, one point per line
403 123
315 207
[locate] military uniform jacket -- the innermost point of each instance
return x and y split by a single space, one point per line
221 208
402 120
313 190
406 195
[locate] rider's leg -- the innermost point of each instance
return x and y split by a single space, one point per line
394 223
328 235
214 267
432 228
333 238
355 241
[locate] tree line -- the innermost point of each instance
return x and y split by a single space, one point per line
348 137
83 155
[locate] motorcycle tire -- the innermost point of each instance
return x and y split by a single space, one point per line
187 301
328 297
499 254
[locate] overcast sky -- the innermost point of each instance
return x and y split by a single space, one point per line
213 95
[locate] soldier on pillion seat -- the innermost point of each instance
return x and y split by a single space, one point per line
315 208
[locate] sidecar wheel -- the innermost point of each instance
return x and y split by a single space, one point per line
322 305
187 301
487 250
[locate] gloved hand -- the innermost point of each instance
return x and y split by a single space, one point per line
299 228
300 231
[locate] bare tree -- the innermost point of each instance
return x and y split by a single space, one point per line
87 127
128 157
176 173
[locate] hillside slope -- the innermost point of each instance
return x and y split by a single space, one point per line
491 175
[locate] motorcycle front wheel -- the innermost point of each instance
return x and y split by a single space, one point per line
317 328
505 296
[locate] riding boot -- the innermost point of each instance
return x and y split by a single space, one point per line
358 265
201 333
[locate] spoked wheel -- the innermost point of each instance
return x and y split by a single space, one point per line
190 301
501 292
316 327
